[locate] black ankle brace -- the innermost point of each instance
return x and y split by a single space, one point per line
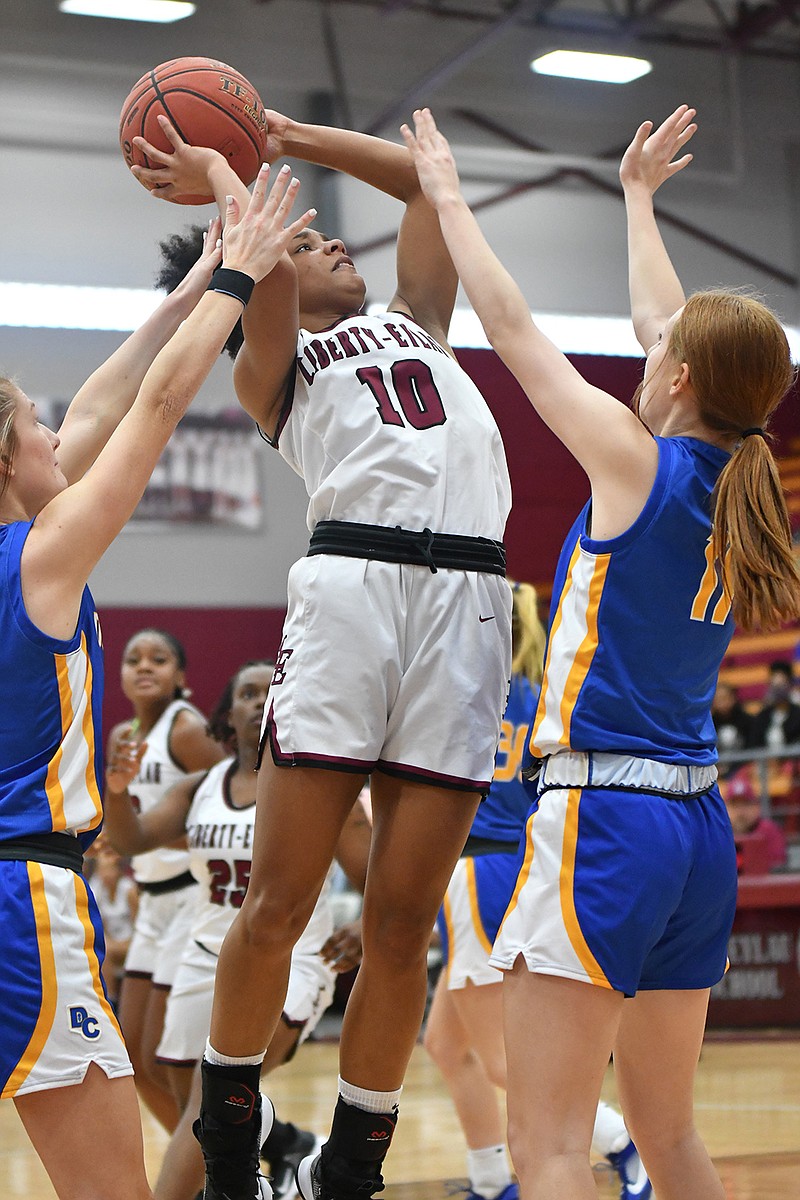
359 1136
230 1094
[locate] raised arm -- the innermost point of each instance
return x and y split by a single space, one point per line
608 441
76 527
270 322
426 278
655 289
110 391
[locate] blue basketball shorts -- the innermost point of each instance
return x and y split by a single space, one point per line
476 899
625 890
56 1018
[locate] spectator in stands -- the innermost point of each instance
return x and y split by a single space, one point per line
733 723
750 826
778 723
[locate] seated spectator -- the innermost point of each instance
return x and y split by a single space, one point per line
734 725
760 842
778 722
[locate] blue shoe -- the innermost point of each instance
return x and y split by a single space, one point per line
630 1168
508 1193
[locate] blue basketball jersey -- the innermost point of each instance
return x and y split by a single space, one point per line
50 702
639 625
503 813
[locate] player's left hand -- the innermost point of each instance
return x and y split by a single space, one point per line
648 161
433 159
343 949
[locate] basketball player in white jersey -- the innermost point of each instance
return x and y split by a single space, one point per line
396 651
176 741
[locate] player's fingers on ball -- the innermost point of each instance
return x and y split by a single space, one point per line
170 131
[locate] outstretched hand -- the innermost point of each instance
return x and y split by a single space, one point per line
198 277
183 171
433 159
648 161
254 241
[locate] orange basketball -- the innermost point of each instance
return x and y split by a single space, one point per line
209 104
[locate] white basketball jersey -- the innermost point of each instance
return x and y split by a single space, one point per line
157 772
220 854
387 429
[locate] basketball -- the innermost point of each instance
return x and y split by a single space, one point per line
209 103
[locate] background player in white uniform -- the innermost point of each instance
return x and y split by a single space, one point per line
396 650
216 811
629 879
62 1058
464 1030
153 677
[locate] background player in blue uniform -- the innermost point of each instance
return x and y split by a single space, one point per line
464 1031
629 879
62 1058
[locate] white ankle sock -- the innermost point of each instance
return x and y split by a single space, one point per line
609 1135
225 1060
375 1102
489 1171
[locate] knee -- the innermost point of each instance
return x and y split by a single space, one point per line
399 939
272 923
445 1050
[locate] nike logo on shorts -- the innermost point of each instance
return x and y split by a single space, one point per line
482 619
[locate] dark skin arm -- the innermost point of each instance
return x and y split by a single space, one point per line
128 831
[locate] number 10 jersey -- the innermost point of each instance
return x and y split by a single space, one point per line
387 429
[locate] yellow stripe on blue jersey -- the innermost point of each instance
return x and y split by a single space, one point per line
524 871
544 698
82 908
71 772
566 885
640 625
49 986
571 649
448 923
587 590
50 710
472 891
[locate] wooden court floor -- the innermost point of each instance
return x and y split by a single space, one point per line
748 1111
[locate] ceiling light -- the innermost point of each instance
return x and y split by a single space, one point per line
161 11
59 306
602 68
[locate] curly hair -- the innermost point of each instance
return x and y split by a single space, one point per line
178 254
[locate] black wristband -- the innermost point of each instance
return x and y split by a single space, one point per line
232 283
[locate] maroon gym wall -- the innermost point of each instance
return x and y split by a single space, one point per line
548 488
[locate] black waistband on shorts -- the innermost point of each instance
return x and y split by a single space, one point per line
161 886
421 548
477 847
53 849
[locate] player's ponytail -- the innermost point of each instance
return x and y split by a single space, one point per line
9 393
527 633
740 368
